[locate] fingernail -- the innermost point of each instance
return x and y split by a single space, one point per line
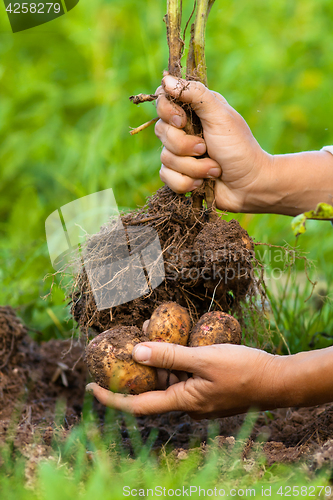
141 353
176 121
170 82
145 326
200 148
197 183
214 172
89 389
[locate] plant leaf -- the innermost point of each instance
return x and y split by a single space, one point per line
323 211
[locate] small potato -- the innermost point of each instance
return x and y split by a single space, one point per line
109 360
247 241
170 322
216 327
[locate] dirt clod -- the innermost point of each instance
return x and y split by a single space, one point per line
11 332
207 262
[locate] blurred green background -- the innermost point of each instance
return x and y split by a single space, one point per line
65 118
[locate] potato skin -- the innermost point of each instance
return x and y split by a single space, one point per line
248 242
109 360
216 327
170 322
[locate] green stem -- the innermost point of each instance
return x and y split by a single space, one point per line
173 21
196 62
199 40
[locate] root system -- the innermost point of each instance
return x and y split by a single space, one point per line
207 265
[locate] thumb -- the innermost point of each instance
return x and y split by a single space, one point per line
202 100
170 356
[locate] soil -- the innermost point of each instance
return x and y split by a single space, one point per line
35 376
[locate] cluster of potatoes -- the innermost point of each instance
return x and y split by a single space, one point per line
109 354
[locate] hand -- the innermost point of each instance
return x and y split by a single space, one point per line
227 380
247 178
236 160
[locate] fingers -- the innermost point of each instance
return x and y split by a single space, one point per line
179 183
170 112
175 398
202 100
178 142
145 326
172 357
165 378
197 168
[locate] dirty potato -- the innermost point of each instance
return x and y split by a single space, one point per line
109 360
170 322
216 327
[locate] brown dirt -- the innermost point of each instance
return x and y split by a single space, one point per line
34 378
37 376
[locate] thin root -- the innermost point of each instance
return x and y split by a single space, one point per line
143 126
138 99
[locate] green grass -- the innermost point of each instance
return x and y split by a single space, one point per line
88 465
65 117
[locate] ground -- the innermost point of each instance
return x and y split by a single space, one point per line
34 378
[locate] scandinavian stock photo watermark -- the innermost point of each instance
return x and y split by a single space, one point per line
122 263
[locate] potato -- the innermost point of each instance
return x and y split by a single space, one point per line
170 322
247 241
109 360
216 327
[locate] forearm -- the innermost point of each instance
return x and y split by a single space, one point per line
306 379
297 182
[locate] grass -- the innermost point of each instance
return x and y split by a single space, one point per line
88 465
64 123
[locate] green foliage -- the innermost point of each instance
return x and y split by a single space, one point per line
65 118
323 211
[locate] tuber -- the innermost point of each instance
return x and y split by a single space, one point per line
109 360
170 322
216 327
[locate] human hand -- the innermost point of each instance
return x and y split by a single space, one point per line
236 161
227 380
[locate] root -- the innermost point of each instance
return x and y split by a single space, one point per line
198 258
143 126
140 98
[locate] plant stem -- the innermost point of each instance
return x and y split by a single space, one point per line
173 21
199 40
196 62
195 70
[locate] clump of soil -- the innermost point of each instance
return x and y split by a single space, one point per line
11 332
34 378
207 262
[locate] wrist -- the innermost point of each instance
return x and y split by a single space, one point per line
296 183
305 379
